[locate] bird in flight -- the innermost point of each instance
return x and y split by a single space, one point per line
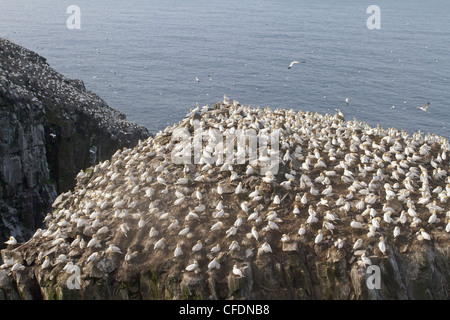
425 107
295 62
346 101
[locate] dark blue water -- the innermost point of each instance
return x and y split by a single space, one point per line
143 56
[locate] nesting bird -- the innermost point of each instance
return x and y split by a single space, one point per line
11 241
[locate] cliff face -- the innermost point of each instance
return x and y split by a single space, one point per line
26 190
301 273
143 226
51 127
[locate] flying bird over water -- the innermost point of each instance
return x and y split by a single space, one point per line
425 107
295 62
346 101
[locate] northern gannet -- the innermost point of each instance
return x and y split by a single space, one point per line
294 62
425 107
11 241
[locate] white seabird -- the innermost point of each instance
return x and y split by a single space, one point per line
192 266
11 241
319 237
295 62
214 264
238 272
46 262
425 107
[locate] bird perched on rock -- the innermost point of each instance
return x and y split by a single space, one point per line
46 262
237 272
113 249
178 251
192 266
319 237
424 234
130 255
160 244
365 260
382 245
214 264
396 232
94 242
265 248
358 243
198 246
11 241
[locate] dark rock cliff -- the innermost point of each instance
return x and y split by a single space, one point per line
51 127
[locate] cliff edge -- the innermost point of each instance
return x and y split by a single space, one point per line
51 127
326 209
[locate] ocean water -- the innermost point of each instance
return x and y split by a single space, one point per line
143 56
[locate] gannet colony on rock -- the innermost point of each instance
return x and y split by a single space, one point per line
51 127
346 195
26 75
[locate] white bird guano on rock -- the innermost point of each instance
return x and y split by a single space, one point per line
368 184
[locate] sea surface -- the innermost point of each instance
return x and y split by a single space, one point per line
143 56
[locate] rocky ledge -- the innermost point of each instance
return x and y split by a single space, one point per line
51 127
348 212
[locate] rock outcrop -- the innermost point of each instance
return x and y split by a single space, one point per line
173 218
51 127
